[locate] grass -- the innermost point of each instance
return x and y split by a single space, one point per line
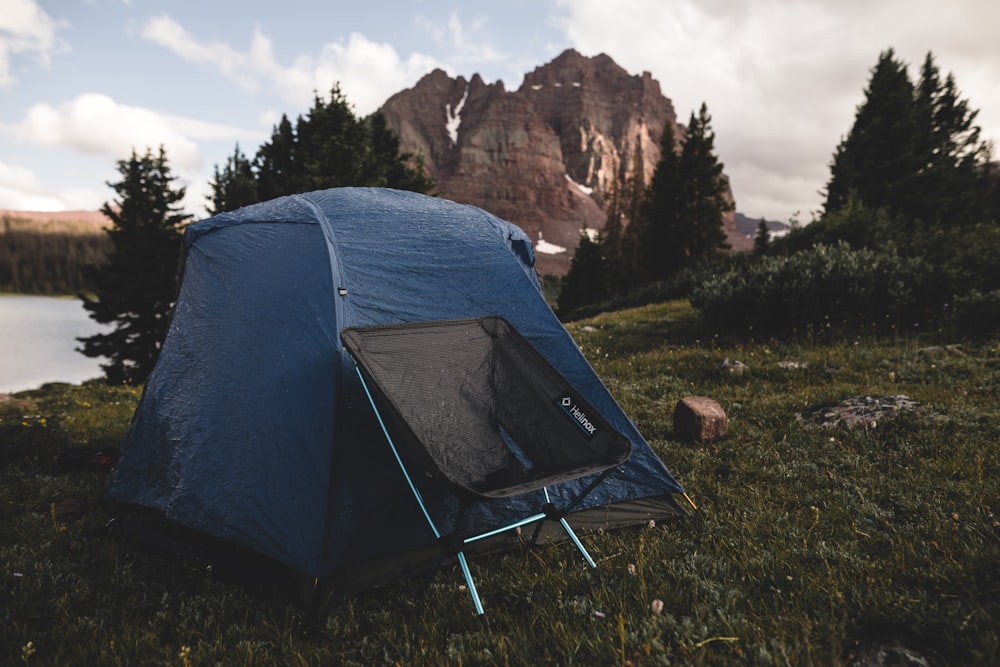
808 545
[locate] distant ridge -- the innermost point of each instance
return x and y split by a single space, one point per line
56 221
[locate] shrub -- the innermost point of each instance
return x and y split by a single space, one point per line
977 314
824 288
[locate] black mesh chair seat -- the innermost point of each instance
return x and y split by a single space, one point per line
474 404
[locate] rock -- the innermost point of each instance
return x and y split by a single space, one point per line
734 366
699 419
889 654
868 411
547 156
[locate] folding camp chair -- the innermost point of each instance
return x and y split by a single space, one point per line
472 404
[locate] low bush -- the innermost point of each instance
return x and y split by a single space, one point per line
824 288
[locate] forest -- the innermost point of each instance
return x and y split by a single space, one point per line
48 257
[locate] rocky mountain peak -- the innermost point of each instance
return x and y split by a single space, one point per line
545 156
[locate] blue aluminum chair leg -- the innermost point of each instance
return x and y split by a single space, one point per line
471 584
577 542
572 535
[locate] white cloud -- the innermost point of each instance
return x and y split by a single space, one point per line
26 30
21 190
368 72
470 44
239 67
95 124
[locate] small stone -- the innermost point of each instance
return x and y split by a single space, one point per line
699 419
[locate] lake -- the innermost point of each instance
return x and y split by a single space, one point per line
38 342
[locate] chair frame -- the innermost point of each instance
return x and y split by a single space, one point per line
452 543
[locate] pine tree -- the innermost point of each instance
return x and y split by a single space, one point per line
333 146
706 191
136 287
763 238
660 223
876 162
391 168
277 164
914 151
683 209
234 186
585 283
950 151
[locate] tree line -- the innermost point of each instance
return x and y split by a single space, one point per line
49 261
329 147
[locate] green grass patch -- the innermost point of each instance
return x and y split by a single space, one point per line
808 543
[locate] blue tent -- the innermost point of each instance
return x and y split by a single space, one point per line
254 428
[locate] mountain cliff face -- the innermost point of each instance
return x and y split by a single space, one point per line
545 156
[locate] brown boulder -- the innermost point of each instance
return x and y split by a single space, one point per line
699 419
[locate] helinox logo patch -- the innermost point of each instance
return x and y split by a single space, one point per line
577 414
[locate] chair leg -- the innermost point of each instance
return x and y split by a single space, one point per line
553 512
471 584
577 542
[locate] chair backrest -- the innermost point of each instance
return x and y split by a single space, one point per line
474 403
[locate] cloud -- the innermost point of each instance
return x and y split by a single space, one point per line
368 72
26 30
239 67
95 124
21 190
469 46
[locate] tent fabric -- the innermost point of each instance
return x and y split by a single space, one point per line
253 426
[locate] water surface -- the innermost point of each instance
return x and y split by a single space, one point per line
38 342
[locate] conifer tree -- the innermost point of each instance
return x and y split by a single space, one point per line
951 154
763 237
914 151
876 161
390 166
277 165
333 146
683 209
659 232
706 190
585 283
136 287
234 186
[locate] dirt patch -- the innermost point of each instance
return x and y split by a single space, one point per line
858 410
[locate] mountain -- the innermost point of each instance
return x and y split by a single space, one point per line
545 156
749 226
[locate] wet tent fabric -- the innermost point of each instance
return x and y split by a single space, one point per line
253 426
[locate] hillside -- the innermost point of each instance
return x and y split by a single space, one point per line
44 252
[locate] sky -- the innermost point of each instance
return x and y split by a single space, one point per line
84 82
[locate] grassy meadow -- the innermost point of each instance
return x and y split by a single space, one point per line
810 546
